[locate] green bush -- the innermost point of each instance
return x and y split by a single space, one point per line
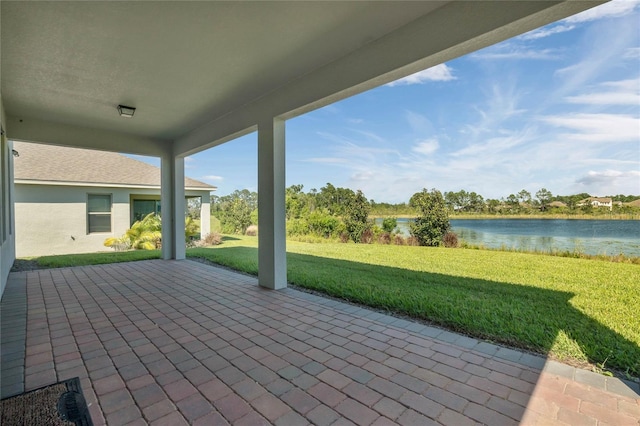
389 224
323 224
433 220
144 234
297 227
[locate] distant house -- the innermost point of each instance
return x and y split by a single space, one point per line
597 202
69 200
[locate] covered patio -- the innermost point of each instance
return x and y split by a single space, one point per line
174 341
168 342
170 79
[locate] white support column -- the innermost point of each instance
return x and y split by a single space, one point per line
172 207
205 216
272 256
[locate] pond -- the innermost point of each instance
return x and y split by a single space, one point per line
609 237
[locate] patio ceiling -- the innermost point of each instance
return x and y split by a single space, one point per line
200 73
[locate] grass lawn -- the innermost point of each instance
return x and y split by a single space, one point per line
214 224
576 310
62 261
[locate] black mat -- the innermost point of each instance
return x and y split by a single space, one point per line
60 404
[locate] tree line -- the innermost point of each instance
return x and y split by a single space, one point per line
341 213
523 202
338 213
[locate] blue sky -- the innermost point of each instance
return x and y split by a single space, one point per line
558 107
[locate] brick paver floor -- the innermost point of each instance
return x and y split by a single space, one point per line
178 342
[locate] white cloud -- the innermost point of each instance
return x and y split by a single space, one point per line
514 51
426 147
631 85
546 32
327 160
602 57
363 176
351 140
613 9
622 92
608 175
370 135
610 182
438 73
212 177
611 98
632 53
492 147
598 127
418 123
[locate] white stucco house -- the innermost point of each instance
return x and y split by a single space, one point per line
68 200
200 74
605 202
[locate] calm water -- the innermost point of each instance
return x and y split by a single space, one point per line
609 237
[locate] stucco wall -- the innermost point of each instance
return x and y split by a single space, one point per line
53 219
7 194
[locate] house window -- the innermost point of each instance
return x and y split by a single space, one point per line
141 208
99 213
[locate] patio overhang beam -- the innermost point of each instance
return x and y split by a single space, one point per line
453 30
28 129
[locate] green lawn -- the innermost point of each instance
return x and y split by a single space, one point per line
576 310
62 261
214 224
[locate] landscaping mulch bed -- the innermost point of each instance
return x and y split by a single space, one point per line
59 404
21 265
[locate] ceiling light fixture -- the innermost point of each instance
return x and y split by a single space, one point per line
126 111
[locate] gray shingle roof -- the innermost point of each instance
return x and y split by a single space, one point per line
51 163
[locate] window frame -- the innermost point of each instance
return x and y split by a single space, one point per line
95 213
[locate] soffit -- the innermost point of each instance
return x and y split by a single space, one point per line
181 64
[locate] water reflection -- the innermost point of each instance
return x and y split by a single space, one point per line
608 237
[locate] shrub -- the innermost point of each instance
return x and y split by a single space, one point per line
366 237
450 239
212 239
344 237
399 241
297 227
356 221
389 224
144 234
252 231
412 241
191 230
384 238
432 221
323 224
235 218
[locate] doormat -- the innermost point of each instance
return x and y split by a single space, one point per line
60 404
